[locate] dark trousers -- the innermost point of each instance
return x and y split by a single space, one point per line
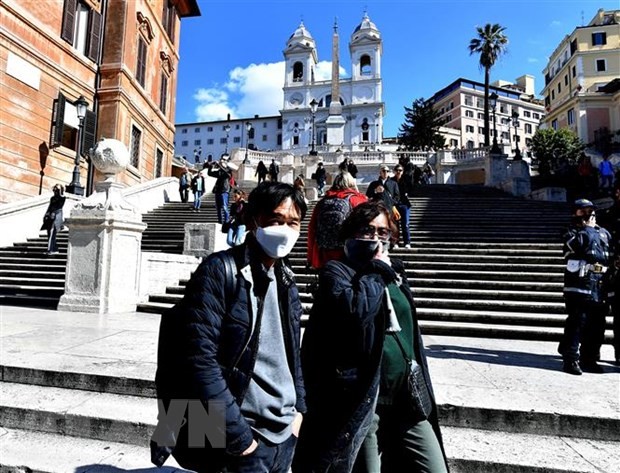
52 246
396 442
221 204
267 458
615 312
405 214
584 329
184 191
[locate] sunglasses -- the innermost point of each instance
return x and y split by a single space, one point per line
369 232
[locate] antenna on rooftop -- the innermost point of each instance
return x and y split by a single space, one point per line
583 21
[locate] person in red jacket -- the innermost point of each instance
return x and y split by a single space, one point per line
327 218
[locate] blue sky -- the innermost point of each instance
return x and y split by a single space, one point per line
232 62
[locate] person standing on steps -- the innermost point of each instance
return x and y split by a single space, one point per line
274 170
405 189
587 255
222 174
184 183
261 171
384 189
233 342
198 188
53 219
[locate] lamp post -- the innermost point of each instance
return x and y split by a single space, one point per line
515 123
227 130
248 127
493 102
377 117
75 187
314 105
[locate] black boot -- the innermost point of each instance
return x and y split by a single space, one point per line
591 367
571 367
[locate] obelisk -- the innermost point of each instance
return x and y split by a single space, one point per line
335 121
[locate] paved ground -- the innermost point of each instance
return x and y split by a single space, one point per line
502 374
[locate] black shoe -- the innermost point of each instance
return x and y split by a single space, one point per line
591 367
571 367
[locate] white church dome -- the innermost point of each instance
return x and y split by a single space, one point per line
365 29
301 36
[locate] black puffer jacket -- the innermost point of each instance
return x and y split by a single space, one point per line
207 348
341 357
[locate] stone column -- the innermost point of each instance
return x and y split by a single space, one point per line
105 236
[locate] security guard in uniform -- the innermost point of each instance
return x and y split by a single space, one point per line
587 255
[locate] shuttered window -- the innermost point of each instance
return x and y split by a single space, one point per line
81 28
65 134
141 66
159 162
163 93
136 138
168 19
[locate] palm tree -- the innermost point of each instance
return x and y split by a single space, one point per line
490 44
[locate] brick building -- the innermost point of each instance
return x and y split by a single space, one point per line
121 56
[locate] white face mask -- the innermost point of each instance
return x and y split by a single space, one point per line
277 241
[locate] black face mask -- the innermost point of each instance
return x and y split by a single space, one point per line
360 251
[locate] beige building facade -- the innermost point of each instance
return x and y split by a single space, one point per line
582 79
120 56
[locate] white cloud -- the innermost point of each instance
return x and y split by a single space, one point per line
556 23
532 60
252 90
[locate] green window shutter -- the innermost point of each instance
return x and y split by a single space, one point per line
68 20
58 121
89 135
94 40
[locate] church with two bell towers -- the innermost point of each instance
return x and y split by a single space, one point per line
347 113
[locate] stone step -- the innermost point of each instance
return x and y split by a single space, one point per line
472 450
483 258
27 273
35 280
30 300
439 293
43 452
99 416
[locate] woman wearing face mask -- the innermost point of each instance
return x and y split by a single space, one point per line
361 334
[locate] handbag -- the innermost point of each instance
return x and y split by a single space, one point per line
395 213
227 225
419 396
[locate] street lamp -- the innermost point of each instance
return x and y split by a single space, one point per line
227 130
248 127
377 116
314 105
75 187
515 123
493 102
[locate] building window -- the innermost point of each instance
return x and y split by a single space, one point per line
264 124
251 133
223 141
298 72
168 19
210 141
570 116
295 140
454 143
81 28
565 79
469 128
505 135
264 138
573 47
536 115
237 126
559 88
574 71
469 100
184 130
553 95
159 162
197 142
479 103
527 113
184 143
449 118
469 113
279 124
528 128
279 140
503 108
599 39
209 128
163 93
601 65
237 139
481 130
197 130
136 137
141 65
554 124
65 124
365 66
481 116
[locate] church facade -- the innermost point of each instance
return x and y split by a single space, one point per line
355 120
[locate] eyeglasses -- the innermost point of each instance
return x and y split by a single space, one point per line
398 170
369 232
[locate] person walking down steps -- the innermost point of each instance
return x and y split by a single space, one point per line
53 219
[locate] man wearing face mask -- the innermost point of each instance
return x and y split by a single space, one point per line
587 255
241 350
361 325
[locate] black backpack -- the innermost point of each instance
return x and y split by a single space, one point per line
332 212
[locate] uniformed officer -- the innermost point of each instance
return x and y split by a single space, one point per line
586 251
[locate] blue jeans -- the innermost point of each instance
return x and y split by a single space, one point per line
236 235
267 458
221 204
197 196
405 213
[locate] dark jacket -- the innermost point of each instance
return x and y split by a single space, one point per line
53 217
341 357
320 176
390 195
207 348
405 189
222 179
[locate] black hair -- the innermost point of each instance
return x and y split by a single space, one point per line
268 195
362 215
